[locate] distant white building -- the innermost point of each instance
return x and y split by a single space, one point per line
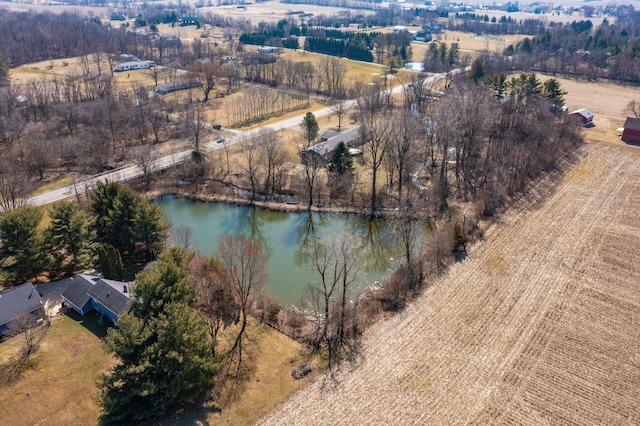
139 65
269 49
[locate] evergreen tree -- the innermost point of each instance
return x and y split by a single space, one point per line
164 283
103 199
552 91
121 229
150 230
4 71
477 70
133 225
341 161
22 253
70 236
110 262
164 355
310 128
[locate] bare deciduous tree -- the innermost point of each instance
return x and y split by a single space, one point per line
245 261
336 259
145 157
15 185
196 125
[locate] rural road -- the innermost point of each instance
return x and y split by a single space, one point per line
170 160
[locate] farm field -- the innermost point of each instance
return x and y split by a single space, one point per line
539 325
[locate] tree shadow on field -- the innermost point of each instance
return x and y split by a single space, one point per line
350 357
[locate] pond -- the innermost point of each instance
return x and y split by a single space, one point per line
282 234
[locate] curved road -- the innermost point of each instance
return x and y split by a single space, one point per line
133 171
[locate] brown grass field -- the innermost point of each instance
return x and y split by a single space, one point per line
539 325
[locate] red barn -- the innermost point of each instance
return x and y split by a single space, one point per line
631 132
585 116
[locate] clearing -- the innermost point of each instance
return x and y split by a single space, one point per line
539 325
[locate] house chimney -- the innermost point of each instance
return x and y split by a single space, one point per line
124 288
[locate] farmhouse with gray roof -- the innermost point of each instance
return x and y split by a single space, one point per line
22 302
110 298
330 140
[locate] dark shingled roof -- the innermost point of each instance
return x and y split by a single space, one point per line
327 146
17 301
632 123
109 295
77 292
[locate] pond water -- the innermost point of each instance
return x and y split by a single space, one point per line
282 234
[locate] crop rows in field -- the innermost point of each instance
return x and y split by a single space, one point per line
540 325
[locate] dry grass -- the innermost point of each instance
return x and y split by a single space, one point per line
264 383
61 386
606 100
468 43
538 326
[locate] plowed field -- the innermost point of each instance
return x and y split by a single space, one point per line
540 325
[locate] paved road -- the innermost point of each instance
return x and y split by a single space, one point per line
131 172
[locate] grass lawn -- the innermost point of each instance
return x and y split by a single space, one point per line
61 385
265 381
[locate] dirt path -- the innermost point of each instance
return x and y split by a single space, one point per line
539 326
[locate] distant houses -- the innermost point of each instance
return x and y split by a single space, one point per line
20 307
109 298
631 130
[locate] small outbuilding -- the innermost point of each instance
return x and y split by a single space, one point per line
19 307
584 115
631 130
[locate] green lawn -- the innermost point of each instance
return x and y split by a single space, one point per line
60 386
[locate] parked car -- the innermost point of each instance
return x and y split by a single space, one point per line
220 140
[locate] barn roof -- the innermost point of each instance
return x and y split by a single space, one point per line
17 301
583 112
632 123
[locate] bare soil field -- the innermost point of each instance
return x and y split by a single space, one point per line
539 325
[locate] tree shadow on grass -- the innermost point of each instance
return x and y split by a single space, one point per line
196 414
90 321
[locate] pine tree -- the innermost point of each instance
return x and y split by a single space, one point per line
310 128
21 244
149 230
164 355
552 91
110 262
70 236
4 71
341 161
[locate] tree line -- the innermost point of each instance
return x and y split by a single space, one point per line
133 230
576 49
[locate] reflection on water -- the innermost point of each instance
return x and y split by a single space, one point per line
282 235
